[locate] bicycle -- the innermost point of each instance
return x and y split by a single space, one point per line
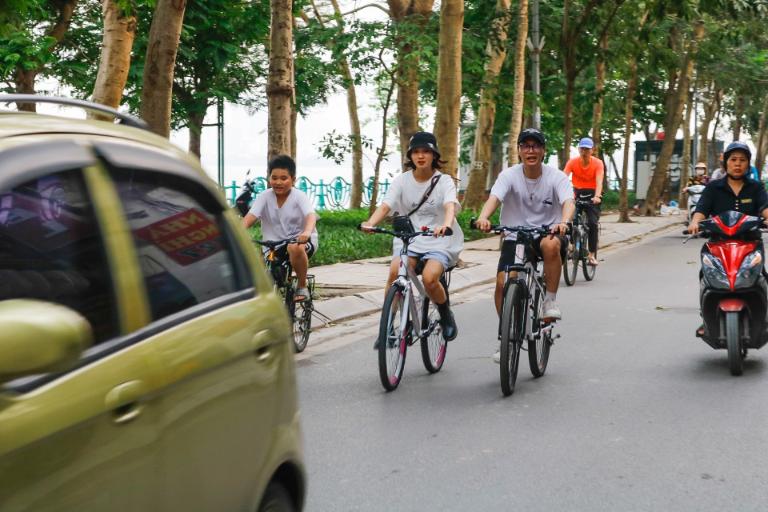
403 322
281 271
522 311
578 250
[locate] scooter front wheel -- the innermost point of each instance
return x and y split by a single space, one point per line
734 343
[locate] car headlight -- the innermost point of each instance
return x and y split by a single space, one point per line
749 270
714 273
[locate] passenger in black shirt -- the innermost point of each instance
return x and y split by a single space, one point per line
733 192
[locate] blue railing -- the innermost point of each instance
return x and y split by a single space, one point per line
333 195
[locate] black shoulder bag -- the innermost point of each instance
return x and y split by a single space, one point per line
402 223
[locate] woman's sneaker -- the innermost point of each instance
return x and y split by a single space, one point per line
447 322
551 311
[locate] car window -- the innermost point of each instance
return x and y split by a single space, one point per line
51 249
185 251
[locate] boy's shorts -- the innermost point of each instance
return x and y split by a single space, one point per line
309 247
510 247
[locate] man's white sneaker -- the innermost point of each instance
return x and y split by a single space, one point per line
497 356
551 311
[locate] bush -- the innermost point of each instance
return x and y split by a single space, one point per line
611 199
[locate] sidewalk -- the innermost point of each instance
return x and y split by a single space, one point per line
348 290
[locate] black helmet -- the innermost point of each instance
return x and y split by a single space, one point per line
532 133
736 146
423 140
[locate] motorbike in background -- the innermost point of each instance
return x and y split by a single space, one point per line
694 194
244 198
733 295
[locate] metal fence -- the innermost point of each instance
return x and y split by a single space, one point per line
333 195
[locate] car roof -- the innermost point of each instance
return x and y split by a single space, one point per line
33 127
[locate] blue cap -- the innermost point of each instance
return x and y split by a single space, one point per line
586 142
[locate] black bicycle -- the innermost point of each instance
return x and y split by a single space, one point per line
522 310
578 249
409 316
286 283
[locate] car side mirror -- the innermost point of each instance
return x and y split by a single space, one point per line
39 337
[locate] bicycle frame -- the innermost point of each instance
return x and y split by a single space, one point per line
407 280
533 281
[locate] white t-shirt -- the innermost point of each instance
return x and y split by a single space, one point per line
405 193
287 221
531 203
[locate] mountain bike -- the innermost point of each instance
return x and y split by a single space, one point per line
409 316
578 249
522 310
279 267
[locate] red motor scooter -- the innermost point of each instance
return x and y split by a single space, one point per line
733 295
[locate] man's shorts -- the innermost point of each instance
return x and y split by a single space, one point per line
509 251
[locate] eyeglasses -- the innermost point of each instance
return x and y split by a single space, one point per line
701 168
530 147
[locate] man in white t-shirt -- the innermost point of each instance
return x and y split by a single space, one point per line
532 194
286 212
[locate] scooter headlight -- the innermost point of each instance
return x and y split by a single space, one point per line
714 273
749 270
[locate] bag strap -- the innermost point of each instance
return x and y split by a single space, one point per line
424 198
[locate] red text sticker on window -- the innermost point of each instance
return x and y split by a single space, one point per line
186 237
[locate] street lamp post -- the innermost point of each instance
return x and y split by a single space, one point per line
535 46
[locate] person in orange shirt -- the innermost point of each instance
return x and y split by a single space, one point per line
587 174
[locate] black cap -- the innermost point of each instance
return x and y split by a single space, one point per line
423 140
532 133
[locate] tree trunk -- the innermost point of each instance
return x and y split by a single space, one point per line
518 100
737 116
762 139
195 126
280 80
157 82
24 79
623 203
408 11
383 149
710 107
117 42
356 194
686 162
597 111
495 52
677 98
449 84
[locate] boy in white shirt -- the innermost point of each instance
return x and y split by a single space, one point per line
286 212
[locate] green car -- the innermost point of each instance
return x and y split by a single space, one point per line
145 361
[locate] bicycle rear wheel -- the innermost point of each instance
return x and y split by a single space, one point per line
511 336
571 261
433 345
538 346
393 339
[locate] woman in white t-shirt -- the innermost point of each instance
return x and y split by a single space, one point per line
437 212
286 212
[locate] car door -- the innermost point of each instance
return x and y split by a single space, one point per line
84 439
223 345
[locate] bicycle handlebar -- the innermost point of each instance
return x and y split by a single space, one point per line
276 244
498 228
425 231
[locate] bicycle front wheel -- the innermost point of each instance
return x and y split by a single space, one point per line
433 345
587 270
393 338
540 342
571 261
511 336
302 324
